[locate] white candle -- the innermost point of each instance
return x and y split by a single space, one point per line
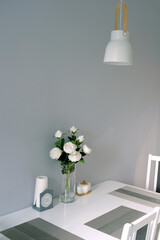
85 188
79 189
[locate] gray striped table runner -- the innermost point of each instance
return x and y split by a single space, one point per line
37 229
112 222
137 195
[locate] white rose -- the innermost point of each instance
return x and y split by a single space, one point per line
58 134
86 149
55 153
73 129
69 147
75 157
80 138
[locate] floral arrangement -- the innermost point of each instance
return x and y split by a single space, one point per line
69 150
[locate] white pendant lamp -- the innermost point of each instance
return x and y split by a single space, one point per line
119 49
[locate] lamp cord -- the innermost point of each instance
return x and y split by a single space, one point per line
121 15
125 16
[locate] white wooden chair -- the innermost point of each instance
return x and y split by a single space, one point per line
151 159
149 220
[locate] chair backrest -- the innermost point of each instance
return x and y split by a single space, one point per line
148 223
156 159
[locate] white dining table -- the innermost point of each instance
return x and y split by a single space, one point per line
73 217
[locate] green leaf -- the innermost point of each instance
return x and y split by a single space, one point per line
74 137
71 164
82 160
70 138
83 154
60 143
68 167
78 143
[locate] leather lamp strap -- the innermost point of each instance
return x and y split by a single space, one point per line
125 16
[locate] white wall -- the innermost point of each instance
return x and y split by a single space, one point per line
52 76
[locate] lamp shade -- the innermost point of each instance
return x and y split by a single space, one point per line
119 49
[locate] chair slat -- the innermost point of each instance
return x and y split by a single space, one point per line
151 159
150 220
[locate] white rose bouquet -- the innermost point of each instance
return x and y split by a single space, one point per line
69 150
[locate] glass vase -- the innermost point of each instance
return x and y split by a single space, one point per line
68 185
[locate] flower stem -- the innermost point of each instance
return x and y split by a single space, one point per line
67 184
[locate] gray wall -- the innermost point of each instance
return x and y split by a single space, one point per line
52 76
